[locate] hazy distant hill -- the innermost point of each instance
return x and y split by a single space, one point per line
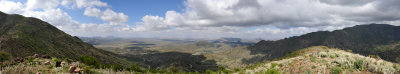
361 39
24 36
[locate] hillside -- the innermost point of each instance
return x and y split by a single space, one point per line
360 39
23 36
323 60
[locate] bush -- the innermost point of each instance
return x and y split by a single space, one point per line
374 56
174 69
395 67
117 68
273 65
313 67
272 71
313 59
359 64
87 70
336 70
308 72
237 69
89 60
4 56
209 71
135 68
348 50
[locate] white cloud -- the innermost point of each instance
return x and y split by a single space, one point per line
288 17
11 7
59 18
83 3
216 18
45 4
107 15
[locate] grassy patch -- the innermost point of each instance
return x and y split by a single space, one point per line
308 72
313 67
272 71
313 59
336 70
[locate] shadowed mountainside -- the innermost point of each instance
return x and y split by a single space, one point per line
23 36
360 39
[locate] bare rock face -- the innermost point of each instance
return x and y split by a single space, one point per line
46 56
19 60
36 56
77 70
63 64
74 69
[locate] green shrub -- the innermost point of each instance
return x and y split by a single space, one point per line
135 68
397 60
209 71
117 67
87 70
89 60
308 72
348 50
313 67
105 66
237 69
272 71
374 56
4 56
273 65
336 70
313 59
221 68
334 56
396 67
29 59
174 69
359 64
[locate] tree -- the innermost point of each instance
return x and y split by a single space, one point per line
4 56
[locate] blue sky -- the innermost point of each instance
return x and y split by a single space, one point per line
135 9
251 19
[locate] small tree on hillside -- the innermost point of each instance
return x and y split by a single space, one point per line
4 56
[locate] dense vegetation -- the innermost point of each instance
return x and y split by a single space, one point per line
24 36
360 39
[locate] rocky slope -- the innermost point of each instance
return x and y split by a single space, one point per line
360 39
324 60
23 36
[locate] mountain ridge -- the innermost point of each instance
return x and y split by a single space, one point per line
360 39
24 36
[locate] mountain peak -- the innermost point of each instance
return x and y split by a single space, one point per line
24 36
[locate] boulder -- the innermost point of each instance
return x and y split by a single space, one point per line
63 64
47 63
36 56
72 68
46 56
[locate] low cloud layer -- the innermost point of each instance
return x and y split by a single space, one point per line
268 19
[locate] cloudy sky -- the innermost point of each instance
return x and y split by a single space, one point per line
267 19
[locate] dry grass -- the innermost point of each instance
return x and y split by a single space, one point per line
37 65
319 60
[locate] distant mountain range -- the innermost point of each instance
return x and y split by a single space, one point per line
25 36
369 39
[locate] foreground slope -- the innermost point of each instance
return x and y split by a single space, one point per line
324 60
360 39
23 36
